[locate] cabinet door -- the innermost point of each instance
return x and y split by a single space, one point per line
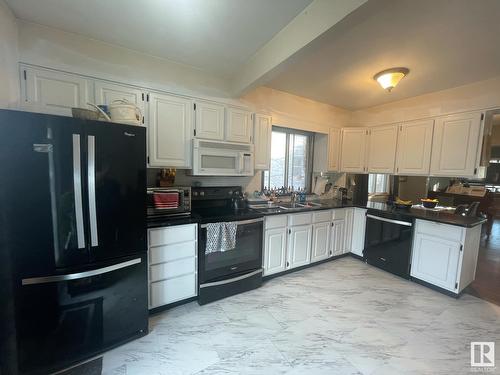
435 260
106 93
170 128
333 149
274 251
262 141
348 230
337 234
299 245
238 125
414 147
320 245
55 92
353 150
382 149
358 231
455 145
209 121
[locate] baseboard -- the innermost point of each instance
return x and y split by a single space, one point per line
269 277
160 309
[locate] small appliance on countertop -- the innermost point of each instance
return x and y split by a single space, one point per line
229 243
168 202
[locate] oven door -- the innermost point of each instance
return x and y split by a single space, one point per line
246 256
388 244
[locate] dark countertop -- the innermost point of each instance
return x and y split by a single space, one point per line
169 221
444 217
376 207
373 207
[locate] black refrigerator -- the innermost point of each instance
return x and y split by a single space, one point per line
73 264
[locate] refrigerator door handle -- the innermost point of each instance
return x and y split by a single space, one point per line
77 187
94 240
79 275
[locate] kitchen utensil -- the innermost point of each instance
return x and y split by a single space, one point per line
125 112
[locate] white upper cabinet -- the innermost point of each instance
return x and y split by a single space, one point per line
54 92
455 145
414 147
169 131
106 93
382 149
334 138
353 148
262 141
239 125
209 122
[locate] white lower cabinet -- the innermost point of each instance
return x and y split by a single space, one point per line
358 231
445 255
337 238
275 250
299 245
172 261
320 241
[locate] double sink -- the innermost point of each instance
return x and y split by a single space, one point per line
284 207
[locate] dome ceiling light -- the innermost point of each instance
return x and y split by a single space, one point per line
389 78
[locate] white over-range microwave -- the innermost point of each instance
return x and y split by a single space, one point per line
215 158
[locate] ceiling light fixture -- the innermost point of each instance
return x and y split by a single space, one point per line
389 78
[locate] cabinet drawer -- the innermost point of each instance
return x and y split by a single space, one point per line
167 253
450 232
174 234
299 219
172 290
322 216
339 213
172 269
277 221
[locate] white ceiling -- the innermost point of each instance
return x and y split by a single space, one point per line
217 36
444 43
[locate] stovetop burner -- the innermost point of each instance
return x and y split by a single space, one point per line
214 204
219 214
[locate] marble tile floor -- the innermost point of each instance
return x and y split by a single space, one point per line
340 317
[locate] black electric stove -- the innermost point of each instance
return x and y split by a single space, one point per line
227 271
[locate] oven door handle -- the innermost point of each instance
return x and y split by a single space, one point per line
399 222
228 281
242 222
79 275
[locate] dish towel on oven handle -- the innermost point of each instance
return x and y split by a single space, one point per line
220 237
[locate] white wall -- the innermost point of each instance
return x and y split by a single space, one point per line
297 112
9 77
49 47
476 96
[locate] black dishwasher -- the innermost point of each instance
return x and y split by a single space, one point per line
388 241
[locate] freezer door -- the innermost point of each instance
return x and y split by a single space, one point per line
66 318
42 193
116 180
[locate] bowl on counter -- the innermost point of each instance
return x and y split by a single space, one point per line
402 206
429 203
